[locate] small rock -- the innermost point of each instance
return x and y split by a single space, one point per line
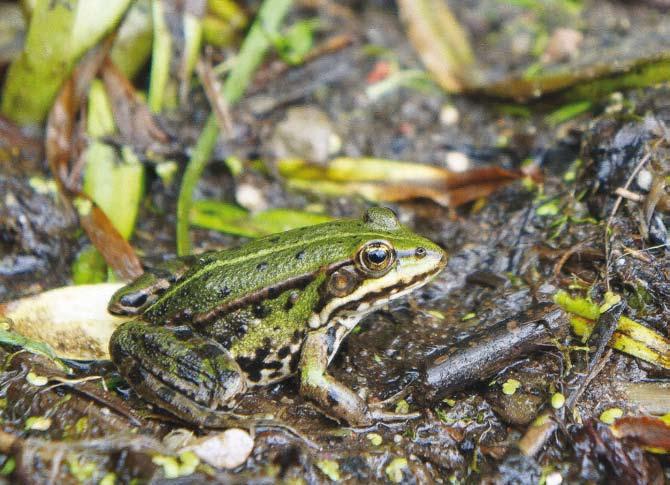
223 450
457 161
251 197
305 133
562 45
449 115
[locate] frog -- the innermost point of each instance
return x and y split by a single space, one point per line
205 329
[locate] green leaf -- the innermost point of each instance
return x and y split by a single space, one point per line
232 219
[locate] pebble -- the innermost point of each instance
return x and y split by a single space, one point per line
228 450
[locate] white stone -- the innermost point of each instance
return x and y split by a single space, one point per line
229 449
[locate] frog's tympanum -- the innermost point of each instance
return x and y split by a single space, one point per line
208 327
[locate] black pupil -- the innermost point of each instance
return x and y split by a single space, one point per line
377 256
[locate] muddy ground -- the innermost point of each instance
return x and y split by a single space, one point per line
508 254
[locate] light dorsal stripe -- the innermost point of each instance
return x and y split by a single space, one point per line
222 263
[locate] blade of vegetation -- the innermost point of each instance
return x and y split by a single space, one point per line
89 267
232 219
133 42
79 330
109 173
252 52
12 31
652 433
629 337
380 180
223 20
160 58
60 151
653 397
59 33
409 78
133 117
7 337
62 117
118 254
589 83
194 11
441 43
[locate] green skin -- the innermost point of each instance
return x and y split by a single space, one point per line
209 327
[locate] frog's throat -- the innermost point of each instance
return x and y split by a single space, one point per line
349 309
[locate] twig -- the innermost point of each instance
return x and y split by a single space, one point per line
215 97
595 370
629 194
566 255
615 208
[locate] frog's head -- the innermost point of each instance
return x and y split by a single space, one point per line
389 263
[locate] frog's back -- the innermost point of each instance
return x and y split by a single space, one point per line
222 281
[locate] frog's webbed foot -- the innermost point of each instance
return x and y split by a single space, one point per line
335 398
390 417
187 375
377 412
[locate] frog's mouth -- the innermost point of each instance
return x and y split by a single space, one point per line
372 293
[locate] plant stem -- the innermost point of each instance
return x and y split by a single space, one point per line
254 48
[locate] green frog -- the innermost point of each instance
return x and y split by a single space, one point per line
209 327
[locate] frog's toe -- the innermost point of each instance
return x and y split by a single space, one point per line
389 417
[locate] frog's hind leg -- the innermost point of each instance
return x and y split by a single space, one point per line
187 375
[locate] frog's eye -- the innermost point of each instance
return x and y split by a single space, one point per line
376 257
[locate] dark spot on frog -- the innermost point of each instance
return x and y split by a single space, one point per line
291 300
300 255
260 311
183 333
297 336
273 292
293 363
241 331
134 299
262 266
275 364
253 366
330 338
274 239
166 394
185 315
250 367
283 352
135 373
224 291
275 374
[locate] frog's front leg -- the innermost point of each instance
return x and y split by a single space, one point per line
335 398
189 376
